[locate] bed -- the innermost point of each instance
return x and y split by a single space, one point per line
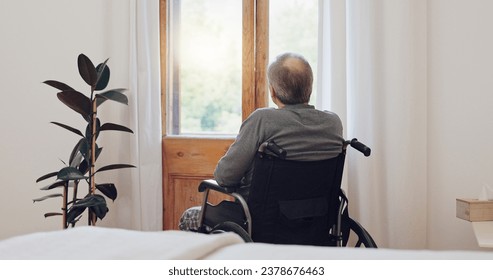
99 243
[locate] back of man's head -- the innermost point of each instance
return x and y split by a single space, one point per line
291 77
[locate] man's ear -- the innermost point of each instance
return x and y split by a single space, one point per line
272 92
274 98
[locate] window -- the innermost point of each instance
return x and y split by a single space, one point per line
205 66
293 27
205 82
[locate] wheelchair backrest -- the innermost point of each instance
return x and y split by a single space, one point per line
294 202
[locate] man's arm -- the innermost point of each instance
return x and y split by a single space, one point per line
238 160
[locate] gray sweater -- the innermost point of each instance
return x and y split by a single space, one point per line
304 132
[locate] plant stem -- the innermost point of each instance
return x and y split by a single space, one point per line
64 205
92 181
93 145
74 194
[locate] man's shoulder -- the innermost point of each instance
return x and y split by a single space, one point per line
264 110
273 113
330 113
261 112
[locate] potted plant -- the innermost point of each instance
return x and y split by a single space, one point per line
81 164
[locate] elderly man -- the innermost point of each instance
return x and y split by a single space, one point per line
306 133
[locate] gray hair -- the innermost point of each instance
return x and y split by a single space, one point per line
291 77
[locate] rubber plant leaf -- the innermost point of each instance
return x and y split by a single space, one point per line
49 175
77 160
89 130
114 166
84 167
83 147
75 156
76 101
109 190
99 210
99 207
90 200
48 196
103 76
70 173
114 95
58 85
51 214
69 128
54 185
112 126
98 151
96 204
87 70
73 213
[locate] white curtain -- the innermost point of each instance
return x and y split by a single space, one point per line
132 41
375 55
145 82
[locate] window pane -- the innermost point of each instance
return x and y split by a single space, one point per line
293 27
205 60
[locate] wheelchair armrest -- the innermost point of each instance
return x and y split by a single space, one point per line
213 185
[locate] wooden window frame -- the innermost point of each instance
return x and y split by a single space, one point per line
255 46
189 159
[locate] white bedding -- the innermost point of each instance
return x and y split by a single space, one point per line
95 243
98 243
260 251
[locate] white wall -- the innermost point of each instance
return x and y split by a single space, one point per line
40 40
460 121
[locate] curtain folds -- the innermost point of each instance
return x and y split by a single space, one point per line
132 42
145 84
377 55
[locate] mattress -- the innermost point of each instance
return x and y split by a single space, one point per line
100 243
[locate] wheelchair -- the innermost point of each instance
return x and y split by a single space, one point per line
289 202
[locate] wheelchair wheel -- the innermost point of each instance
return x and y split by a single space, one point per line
232 227
364 238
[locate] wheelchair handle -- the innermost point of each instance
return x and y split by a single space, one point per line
359 146
273 147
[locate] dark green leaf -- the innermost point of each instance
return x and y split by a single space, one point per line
73 213
84 167
86 152
114 166
84 149
49 175
90 200
112 126
100 211
47 196
76 131
89 129
114 94
103 74
58 85
77 160
98 151
87 70
108 189
70 173
51 214
54 185
99 207
76 101
75 155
